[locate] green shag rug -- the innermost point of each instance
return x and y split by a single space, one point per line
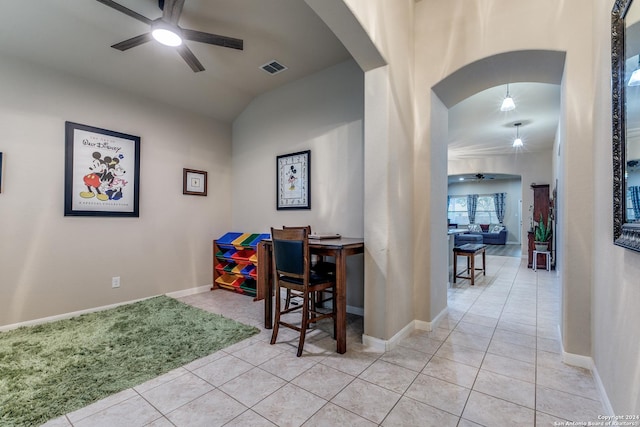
55 368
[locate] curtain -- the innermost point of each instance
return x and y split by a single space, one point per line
472 204
634 192
498 200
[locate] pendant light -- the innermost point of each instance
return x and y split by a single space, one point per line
517 143
507 102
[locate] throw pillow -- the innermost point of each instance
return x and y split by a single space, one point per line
475 228
496 229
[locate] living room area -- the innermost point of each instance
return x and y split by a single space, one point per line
486 209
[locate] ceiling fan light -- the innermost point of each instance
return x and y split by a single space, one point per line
635 78
166 36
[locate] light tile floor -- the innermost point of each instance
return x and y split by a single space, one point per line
494 360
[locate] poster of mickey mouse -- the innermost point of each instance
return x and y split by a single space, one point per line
293 184
102 172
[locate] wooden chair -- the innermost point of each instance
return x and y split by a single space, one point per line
292 271
319 266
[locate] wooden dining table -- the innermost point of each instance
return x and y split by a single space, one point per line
340 249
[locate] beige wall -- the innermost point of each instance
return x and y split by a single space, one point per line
464 33
51 264
616 290
389 128
323 113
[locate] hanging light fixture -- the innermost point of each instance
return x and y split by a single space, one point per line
507 102
517 143
635 76
165 33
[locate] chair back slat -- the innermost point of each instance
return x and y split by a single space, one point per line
291 252
289 257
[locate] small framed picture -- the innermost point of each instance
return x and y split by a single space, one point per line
194 182
293 186
102 172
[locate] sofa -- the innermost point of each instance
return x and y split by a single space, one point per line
492 234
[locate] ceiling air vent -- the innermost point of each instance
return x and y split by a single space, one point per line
273 67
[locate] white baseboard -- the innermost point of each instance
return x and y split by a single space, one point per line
608 409
176 294
378 344
190 291
67 315
358 311
587 362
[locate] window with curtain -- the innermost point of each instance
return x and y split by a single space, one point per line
633 203
457 212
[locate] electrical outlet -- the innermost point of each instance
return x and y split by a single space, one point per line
115 282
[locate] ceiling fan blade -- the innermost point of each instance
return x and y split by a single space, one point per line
126 11
133 42
199 36
171 10
190 58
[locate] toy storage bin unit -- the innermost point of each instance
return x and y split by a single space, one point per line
235 262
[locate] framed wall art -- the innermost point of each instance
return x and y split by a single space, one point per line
194 182
293 185
102 172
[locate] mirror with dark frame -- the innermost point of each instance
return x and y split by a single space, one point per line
625 61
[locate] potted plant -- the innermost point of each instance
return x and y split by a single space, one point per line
542 234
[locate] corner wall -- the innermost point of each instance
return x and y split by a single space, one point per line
323 113
51 264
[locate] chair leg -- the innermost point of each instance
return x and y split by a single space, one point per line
305 323
288 300
276 322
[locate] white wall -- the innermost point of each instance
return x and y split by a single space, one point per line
51 264
513 188
322 113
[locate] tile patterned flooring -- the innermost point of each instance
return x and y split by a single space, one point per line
492 361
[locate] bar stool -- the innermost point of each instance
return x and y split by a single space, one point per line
547 256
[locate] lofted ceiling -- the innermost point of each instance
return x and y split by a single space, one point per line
478 128
74 36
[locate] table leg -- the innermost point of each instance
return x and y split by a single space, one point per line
484 263
264 275
340 300
472 271
455 267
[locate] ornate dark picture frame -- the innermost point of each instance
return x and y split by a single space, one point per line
293 180
194 182
102 172
625 234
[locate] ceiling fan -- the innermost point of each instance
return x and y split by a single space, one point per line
481 176
167 31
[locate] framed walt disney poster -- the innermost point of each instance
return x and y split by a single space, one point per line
293 185
102 172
